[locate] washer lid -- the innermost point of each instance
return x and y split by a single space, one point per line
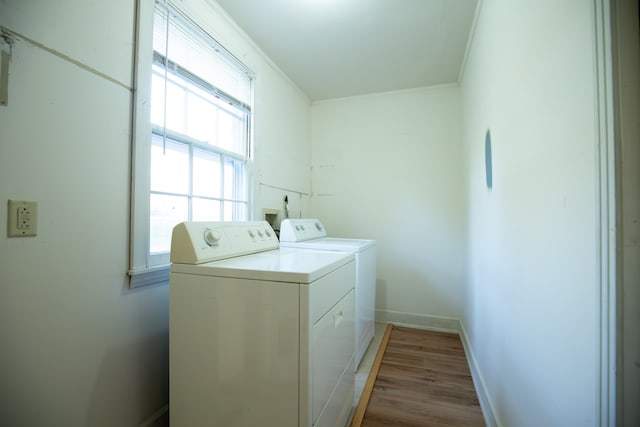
282 265
332 244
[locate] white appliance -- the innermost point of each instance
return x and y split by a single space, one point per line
259 336
311 234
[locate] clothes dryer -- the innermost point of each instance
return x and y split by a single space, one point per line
258 335
311 234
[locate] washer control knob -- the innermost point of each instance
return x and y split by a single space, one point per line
267 232
260 233
211 237
252 234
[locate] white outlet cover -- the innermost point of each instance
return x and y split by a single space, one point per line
13 218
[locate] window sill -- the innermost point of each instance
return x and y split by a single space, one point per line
149 276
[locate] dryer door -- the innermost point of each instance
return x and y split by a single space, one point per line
333 352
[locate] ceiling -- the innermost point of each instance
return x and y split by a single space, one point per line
338 48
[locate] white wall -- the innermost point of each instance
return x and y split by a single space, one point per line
389 167
79 347
282 145
530 298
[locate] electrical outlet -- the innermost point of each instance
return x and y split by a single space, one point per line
22 220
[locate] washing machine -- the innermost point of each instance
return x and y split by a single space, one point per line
258 335
311 234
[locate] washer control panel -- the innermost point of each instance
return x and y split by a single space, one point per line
196 242
299 230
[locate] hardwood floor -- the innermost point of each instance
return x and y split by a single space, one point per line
423 379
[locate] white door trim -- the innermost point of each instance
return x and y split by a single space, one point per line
606 216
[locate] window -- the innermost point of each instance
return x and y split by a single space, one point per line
192 133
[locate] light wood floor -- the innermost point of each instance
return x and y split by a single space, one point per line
423 379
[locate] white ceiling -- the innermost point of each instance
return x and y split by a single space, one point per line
338 48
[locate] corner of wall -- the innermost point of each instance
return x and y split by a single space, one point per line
472 33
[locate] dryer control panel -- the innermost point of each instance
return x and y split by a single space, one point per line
197 242
299 230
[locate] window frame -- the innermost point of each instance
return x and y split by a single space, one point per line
146 268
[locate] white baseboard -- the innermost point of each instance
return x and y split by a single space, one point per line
420 321
155 417
488 410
